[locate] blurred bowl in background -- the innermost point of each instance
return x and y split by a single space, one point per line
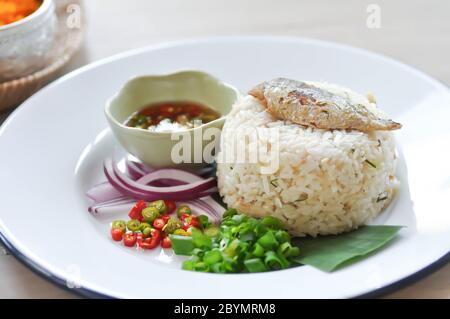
25 44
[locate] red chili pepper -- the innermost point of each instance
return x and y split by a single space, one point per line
195 222
139 238
170 206
116 234
135 212
184 216
190 221
165 243
129 239
159 223
156 235
151 242
165 218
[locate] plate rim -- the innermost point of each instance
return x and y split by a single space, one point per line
91 293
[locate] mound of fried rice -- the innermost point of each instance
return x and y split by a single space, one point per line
325 182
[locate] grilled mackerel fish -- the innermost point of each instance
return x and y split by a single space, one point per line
309 105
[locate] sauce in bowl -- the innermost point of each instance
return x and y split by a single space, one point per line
172 116
15 10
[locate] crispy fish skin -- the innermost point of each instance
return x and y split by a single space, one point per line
308 105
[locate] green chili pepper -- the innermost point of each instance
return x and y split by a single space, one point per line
144 226
172 225
150 214
147 232
160 205
122 225
183 209
141 119
134 225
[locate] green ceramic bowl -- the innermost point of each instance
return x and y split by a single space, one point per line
155 148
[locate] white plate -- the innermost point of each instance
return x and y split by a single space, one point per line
52 149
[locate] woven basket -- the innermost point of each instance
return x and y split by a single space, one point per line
67 42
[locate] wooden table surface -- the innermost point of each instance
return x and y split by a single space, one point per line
413 31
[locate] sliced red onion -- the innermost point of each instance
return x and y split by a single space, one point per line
135 190
144 168
103 192
108 168
117 208
116 202
173 174
134 169
199 186
142 182
165 182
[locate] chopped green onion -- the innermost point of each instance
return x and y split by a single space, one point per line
229 213
240 244
218 268
212 257
238 218
232 249
272 222
260 230
287 250
268 241
370 163
188 265
197 252
201 266
201 240
182 245
255 265
274 261
381 197
247 237
258 250
282 236
212 231
204 220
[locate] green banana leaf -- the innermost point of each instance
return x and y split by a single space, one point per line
329 253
